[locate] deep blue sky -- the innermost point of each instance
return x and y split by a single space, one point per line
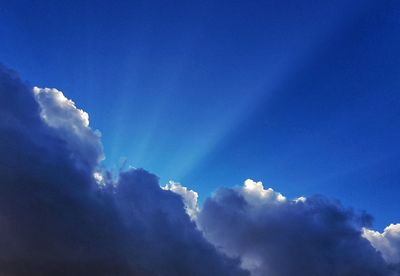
302 95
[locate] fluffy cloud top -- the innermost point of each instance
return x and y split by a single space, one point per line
278 237
388 242
71 124
55 218
189 197
255 193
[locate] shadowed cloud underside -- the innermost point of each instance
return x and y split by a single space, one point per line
60 213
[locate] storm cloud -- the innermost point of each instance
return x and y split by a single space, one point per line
60 214
56 220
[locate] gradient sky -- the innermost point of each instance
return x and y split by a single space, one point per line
302 95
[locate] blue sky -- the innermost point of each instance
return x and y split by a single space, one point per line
302 95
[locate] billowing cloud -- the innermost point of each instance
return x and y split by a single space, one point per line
56 220
189 197
255 194
61 214
169 242
71 124
387 242
278 237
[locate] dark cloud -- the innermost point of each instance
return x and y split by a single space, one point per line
278 237
169 242
59 215
56 220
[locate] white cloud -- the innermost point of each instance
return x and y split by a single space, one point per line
189 197
255 193
98 176
300 199
56 109
71 123
387 242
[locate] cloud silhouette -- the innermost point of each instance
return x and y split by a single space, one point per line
60 214
56 220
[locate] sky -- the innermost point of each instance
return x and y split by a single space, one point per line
301 95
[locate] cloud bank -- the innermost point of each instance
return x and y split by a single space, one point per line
275 236
61 215
56 220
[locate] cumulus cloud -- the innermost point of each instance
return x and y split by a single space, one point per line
387 242
254 193
56 220
71 123
275 236
189 197
169 242
61 214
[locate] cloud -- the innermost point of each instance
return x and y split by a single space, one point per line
61 214
255 193
55 219
169 242
48 212
189 197
387 242
275 236
70 123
